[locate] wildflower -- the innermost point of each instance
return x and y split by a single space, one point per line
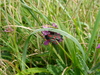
54 25
45 32
46 42
9 29
51 36
98 46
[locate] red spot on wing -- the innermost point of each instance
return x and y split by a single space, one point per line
49 35
54 37
58 37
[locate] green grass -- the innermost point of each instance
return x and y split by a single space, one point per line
22 51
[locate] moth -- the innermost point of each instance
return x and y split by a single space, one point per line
54 38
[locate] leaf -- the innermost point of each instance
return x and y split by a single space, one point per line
60 64
52 69
32 70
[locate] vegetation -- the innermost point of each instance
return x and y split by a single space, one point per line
22 49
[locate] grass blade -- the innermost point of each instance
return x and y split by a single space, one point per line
94 32
32 70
